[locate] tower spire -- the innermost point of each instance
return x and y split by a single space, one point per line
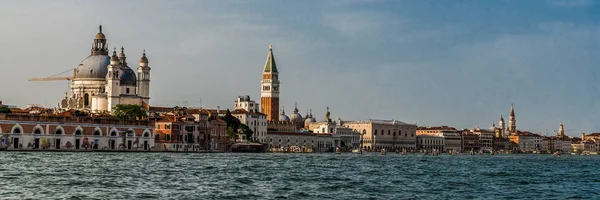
270 65
512 110
100 27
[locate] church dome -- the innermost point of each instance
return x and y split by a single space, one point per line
128 77
283 117
308 121
93 67
100 36
296 118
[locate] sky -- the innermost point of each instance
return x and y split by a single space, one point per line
458 63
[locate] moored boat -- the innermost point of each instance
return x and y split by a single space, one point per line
357 151
383 152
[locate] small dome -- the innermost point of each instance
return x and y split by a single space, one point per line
308 121
144 59
283 117
128 77
93 67
100 36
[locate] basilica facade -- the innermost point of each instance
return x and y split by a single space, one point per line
101 82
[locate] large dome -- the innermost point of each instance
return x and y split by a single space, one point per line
296 118
283 117
93 67
128 77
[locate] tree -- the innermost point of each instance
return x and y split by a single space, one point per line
245 130
4 109
231 134
128 112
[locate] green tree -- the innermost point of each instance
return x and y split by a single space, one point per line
4 109
233 135
245 130
128 112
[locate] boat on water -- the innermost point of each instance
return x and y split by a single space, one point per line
472 152
357 151
492 152
556 153
383 152
338 150
403 151
480 152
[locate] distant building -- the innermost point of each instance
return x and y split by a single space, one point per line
244 102
385 134
527 141
101 82
451 138
257 122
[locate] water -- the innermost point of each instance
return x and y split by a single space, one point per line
52 175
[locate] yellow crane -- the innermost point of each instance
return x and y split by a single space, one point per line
56 77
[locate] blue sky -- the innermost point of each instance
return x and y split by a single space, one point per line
458 63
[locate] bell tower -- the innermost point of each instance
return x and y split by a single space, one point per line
113 78
512 121
269 95
144 79
99 47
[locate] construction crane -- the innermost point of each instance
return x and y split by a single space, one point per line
56 77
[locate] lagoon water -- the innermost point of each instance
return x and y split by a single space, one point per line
51 175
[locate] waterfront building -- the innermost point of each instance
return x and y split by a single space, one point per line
244 102
431 142
470 140
557 143
586 144
296 142
486 138
527 141
189 129
343 137
67 132
385 134
451 137
257 122
269 96
101 81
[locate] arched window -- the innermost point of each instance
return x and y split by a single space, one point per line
37 131
96 133
17 130
146 134
113 133
78 132
157 136
167 137
389 132
58 132
86 99
375 132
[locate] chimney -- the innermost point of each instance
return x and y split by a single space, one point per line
582 137
218 110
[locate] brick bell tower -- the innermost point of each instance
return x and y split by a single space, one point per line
269 95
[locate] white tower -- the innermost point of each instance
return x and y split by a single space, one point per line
144 79
561 130
113 77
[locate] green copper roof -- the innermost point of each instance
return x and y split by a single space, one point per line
270 65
